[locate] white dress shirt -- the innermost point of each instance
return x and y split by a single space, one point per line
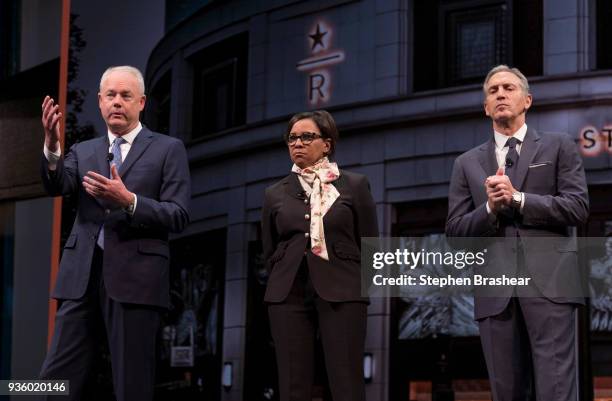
501 151
53 157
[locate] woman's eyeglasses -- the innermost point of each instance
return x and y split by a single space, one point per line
306 138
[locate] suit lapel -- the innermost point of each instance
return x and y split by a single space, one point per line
529 149
487 158
140 144
100 158
101 154
294 188
340 183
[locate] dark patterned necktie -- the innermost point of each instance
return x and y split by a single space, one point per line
116 160
512 159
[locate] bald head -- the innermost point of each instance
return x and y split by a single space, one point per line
127 69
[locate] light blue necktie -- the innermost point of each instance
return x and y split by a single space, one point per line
116 160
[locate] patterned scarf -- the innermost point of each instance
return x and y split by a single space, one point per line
316 181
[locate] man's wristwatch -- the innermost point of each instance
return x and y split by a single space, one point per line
130 208
517 199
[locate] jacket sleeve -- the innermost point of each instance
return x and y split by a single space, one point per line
367 220
171 211
64 180
570 205
464 218
269 235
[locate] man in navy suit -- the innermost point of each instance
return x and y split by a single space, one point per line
133 188
524 185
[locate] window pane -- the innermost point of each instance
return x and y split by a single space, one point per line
527 38
9 37
457 42
218 90
477 43
476 49
220 86
160 105
604 34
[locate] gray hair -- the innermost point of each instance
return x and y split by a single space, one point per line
125 68
505 68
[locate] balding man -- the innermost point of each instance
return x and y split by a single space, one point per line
133 188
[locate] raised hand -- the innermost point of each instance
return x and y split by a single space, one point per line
499 191
51 118
110 189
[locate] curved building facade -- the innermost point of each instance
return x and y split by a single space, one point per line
403 79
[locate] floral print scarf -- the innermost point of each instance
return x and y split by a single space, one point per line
316 181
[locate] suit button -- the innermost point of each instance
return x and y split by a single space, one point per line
305 200
107 211
307 216
307 235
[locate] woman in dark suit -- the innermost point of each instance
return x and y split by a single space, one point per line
312 224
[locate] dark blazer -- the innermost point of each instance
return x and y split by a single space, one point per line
551 174
136 252
285 223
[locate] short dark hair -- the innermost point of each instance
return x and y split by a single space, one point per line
325 122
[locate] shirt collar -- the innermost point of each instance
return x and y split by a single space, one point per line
129 137
501 139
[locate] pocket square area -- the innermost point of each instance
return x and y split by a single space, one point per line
540 164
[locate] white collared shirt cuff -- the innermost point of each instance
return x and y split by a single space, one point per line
52 157
129 210
490 215
135 204
522 202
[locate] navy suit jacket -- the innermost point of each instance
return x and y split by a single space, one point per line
284 225
136 251
551 174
